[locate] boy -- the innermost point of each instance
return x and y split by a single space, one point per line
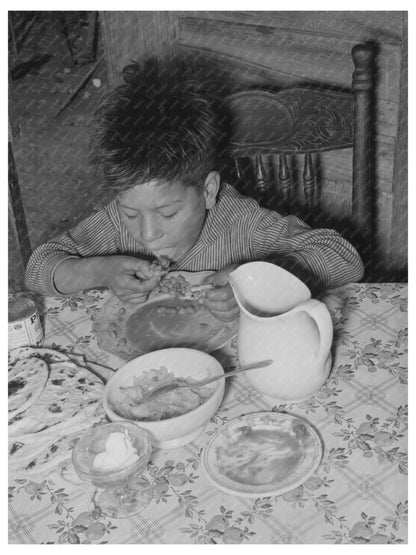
157 140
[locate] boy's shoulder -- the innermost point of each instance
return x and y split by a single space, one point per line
112 212
108 212
232 209
235 204
101 218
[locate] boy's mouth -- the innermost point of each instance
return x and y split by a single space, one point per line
173 253
159 252
166 253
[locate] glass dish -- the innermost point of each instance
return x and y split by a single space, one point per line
125 491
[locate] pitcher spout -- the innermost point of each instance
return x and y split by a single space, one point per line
265 289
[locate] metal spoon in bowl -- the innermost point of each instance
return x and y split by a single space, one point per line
182 384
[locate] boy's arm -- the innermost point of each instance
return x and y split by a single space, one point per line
321 258
75 274
96 236
130 278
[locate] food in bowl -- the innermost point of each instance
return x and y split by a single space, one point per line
119 452
182 363
128 401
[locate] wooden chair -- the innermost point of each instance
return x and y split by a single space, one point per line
269 127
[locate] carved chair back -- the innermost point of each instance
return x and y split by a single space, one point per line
267 128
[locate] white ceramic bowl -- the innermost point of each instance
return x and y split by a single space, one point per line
178 430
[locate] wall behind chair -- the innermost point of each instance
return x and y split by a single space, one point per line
279 49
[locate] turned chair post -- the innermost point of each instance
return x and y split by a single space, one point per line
362 84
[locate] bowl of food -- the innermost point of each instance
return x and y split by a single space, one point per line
113 457
172 418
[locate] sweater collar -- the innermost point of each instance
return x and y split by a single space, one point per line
218 218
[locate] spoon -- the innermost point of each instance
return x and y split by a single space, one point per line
182 384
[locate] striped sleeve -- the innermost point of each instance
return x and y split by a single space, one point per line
323 254
94 236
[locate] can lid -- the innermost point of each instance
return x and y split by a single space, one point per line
20 308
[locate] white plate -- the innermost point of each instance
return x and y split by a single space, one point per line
116 326
262 454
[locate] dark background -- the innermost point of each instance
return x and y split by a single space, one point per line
55 61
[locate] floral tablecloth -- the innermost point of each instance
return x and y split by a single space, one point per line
357 495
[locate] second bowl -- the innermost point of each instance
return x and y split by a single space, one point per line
172 431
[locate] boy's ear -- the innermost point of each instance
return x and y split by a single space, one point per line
211 187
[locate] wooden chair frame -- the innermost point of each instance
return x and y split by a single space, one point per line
305 121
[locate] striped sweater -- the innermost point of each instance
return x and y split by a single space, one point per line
236 230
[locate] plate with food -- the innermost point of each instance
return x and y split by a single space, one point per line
173 316
262 454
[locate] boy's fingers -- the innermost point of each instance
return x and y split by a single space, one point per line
135 286
228 315
210 278
221 305
220 278
141 283
143 269
220 294
148 283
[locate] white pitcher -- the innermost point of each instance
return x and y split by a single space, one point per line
280 321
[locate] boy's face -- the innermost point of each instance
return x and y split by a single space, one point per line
167 219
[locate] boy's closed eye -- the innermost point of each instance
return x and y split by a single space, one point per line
137 215
168 216
129 213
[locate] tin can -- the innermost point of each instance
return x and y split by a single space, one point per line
25 327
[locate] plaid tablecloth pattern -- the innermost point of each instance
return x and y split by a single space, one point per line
357 495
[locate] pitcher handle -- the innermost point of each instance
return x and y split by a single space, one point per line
319 312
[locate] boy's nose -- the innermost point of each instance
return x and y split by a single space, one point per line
150 231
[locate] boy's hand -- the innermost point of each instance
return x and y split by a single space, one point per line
220 301
131 279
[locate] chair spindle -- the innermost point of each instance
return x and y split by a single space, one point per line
309 182
285 181
237 169
261 182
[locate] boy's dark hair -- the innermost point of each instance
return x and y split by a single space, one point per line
158 125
